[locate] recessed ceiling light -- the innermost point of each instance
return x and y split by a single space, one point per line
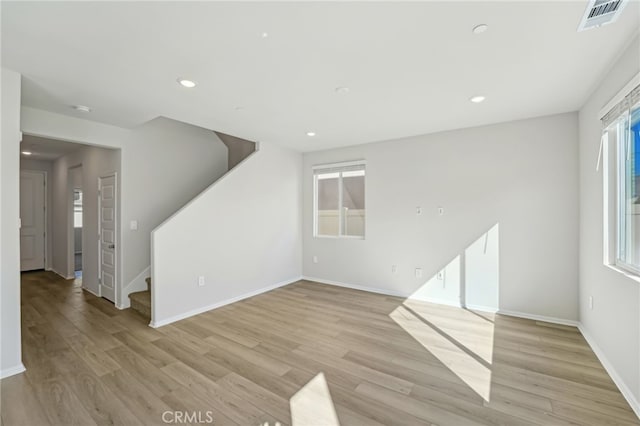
479 29
186 83
342 90
477 99
311 134
239 108
82 108
264 35
27 152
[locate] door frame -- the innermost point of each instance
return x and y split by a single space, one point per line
71 255
116 217
47 266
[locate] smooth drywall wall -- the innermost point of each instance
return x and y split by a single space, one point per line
88 164
510 214
242 235
10 351
47 167
165 164
614 322
239 148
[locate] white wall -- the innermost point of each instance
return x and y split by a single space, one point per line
44 166
614 322
521 176
10 350
243 234
164 163
94 162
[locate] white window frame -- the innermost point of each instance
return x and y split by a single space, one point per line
614 178
345 165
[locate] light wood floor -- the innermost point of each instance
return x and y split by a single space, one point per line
301 354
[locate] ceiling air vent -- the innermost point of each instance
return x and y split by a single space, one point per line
601 12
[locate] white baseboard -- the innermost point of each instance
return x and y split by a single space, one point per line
90 291
387 292
7 372
73 277
552 320
445 302
357 287
617 379
481 308
193 312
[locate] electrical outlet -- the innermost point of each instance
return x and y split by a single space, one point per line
315 259
418 272
394 269
201 281
419 211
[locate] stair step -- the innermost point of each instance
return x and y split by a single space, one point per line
141 302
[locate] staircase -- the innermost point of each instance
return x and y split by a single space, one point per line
141 300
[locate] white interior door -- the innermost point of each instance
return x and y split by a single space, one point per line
107 211
32 217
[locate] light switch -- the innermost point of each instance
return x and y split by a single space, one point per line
133 225
418 272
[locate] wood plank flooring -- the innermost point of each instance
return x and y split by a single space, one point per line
304 354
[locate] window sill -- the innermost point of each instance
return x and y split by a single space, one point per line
631 275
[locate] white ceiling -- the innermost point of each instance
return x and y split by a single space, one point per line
410 67
46 149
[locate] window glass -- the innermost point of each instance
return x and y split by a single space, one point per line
627 132
339 205
328 214
353 203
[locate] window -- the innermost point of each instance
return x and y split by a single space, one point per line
77 208
339 205
621 142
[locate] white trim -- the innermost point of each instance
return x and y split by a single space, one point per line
87 289
552 320
617 379
60 275
445 302
387 292
160 323
342 164
71 268
7 372
481 308
620 95
357 287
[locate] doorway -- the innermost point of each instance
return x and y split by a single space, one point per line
77 232
107 208
32 220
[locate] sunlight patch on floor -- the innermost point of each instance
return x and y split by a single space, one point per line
312 405
468 329
473 369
